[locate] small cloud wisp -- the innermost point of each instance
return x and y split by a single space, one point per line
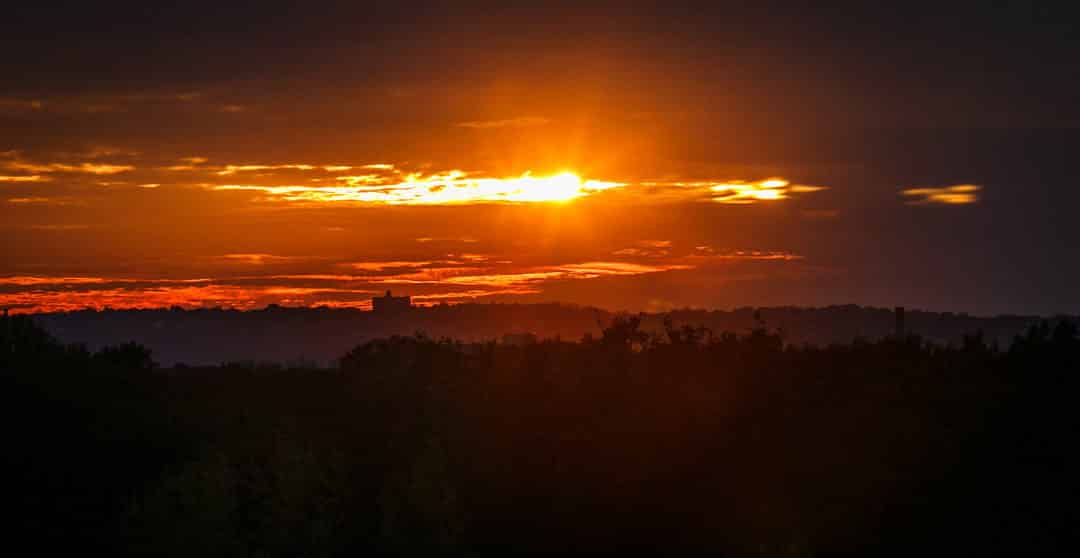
959 194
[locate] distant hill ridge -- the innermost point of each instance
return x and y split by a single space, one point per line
282 334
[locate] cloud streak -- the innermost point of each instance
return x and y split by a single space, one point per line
88 168
959 194
377 184
386 184
259 259
229 170
733 192
454 277
40 200
25 178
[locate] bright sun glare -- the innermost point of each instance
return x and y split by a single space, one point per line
453 187
561 187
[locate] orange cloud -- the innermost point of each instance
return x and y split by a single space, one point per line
36 280
100 151
505 279
189 164
427 239
32 199
589 270
30 178
467 295
599 269
478 270
194 163
244 298
736 192
90 168
959 194
708 253
453 278
647 249
62 294
67 281
233 169
382 266
257 259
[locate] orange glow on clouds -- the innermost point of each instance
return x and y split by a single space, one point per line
90 168
31 200
453 187
707 252
959 194
388 184
34 280
739 192
195 296
349 284
233 169
30 178
256 259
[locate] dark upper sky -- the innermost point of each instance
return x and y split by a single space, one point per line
240 154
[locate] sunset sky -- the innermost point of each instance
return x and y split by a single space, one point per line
629 155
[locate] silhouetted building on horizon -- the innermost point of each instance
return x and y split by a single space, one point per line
900 331
390 304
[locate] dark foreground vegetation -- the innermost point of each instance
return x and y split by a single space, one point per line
683 442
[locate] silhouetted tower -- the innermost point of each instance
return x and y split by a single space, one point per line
390 304
900 322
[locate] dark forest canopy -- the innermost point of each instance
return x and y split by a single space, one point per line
282 334
684 441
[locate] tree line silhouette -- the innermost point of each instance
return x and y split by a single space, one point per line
278 333
679 440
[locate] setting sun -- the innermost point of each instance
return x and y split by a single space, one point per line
559 188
